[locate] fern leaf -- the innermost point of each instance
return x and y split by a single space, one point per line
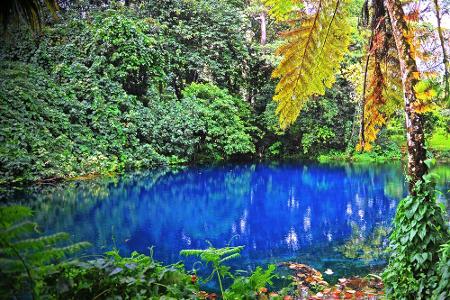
13 214
11 265
24 260
384 93
16 230
230 250
311 55
191 252
232 256
43 257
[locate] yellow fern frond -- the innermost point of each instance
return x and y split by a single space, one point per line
384 92
311 55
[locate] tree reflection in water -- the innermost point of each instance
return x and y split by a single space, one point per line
307 212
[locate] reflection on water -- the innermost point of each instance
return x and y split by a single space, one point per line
305 212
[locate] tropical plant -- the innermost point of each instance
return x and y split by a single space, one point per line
304 72
308 66
419 231
227 121
316 131
136 277
52 131
250 287
313 49
25 258
204 40
216 257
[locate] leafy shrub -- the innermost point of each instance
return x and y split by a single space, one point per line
89 125
135 277
25 259
227 121
216 257
205 39
114 44
174 127
124 48
34 131
419 231
248 287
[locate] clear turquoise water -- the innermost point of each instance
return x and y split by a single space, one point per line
279 212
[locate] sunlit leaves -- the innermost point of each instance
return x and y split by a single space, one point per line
426 94
226 124
314 47
283 10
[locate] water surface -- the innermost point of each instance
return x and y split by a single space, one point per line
327 216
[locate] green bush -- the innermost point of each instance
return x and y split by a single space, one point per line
135 277
34 130
113 44
205 40
51 131
174 127
227 122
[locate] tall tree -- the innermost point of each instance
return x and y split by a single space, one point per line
410 77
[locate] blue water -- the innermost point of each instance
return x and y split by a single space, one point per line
279 212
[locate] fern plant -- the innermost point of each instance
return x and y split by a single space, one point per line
249 287
314 47
216 257
24 258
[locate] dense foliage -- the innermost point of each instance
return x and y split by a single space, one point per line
226 119
415 267
443 287
49 133
101 91
134 277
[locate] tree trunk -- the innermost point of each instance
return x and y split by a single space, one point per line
262 18
414 121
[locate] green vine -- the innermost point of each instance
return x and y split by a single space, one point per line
419 231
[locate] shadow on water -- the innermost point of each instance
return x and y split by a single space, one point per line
328 216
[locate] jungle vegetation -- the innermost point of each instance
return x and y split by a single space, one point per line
93 87
99 88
